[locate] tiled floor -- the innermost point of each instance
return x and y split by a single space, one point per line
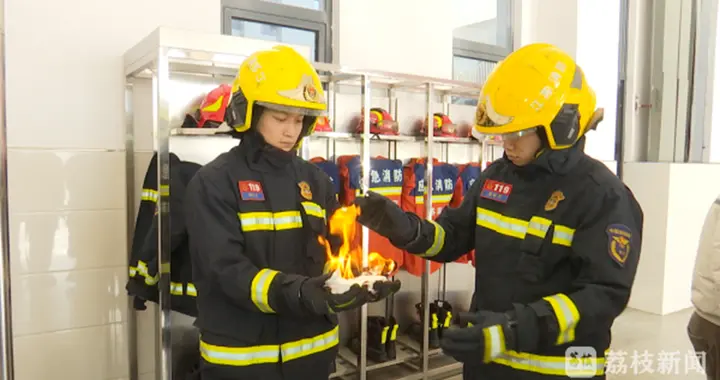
636 332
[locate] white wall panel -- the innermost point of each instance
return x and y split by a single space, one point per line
66 167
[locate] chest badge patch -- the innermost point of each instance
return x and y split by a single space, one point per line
251 191
496 191
619 238
556 197
305 190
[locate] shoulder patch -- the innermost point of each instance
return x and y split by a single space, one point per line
619 238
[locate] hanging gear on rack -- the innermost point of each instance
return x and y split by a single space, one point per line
332 170
143 278
469 173
381 123
385 178
444 177
557 237
255 215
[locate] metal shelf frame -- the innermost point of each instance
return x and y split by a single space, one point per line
167 54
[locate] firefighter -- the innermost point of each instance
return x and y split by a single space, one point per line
556 235
254 215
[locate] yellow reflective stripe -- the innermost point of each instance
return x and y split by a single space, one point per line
501 224
549 365
563 235
259 292
494 342
384 335
567 316
309 346
386 191
150 195
314 209
437 198
269 221
518 228
142 270
393 332
438 241
176 288
239 356
434 321
539 226
191 291
448 319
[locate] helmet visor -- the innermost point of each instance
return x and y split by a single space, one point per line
292 110
502 137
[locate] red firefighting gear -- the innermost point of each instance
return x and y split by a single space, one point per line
468 174
413 200
386 179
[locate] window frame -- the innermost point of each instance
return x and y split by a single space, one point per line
487 52
282 15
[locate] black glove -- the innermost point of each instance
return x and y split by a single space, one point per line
383 216
490 336
318 300
384 289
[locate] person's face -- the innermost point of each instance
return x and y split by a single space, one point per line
522 150
280 129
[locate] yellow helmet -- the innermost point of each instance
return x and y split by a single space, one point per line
537 86
279 79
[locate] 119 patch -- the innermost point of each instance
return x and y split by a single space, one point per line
251 191
619 238
496 191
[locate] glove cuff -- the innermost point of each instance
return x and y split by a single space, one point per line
526 329
289 297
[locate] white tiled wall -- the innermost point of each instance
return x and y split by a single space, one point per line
67 180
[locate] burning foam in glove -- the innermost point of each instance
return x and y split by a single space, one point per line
346 264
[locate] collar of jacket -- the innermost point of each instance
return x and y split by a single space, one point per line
552 161
262 156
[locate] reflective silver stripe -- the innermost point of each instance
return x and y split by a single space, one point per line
438 241
176 288
244 356
261 288
494 342
314 209
239 356
267 221
501 226
149 195
305 347
191 291
539 226
567 316
550 365
563 235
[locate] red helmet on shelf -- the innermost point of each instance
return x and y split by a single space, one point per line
212 109
381 123
323 124
442 126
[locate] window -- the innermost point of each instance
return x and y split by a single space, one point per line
482 36
295 22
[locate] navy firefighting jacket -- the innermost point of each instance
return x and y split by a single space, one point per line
563 234
254 221
143 274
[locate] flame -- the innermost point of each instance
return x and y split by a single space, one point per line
348 258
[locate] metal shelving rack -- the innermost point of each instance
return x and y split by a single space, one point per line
168 52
